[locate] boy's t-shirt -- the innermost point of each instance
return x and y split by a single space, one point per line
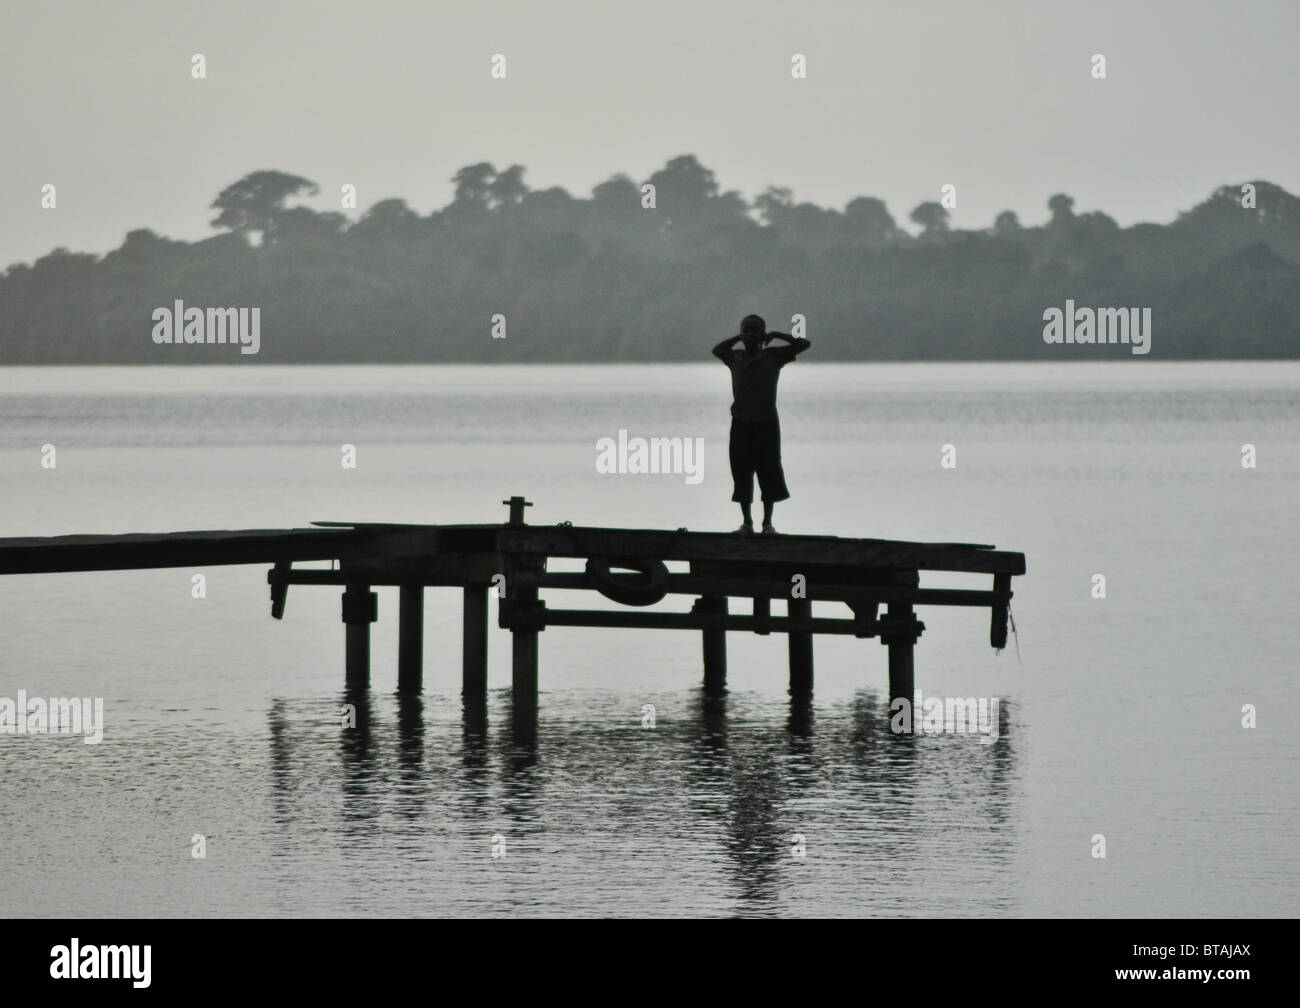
753 383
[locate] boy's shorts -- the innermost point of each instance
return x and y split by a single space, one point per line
755 449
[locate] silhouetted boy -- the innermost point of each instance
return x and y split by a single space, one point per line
755 427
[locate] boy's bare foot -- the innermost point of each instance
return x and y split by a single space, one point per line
768 529
745 529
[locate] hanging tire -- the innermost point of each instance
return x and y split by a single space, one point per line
647 584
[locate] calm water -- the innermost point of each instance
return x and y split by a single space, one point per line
1121 716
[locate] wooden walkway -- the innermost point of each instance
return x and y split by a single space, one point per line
629 566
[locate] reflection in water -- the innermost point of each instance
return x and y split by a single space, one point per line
413 776
596 793
358 766
744 778
800 723
522 734
474 730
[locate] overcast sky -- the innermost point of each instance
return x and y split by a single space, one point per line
996 98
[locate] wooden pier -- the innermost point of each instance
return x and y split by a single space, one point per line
877 582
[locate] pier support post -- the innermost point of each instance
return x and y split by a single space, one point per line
801 649
899 631
715 644
1000 611
902 670
523 643
360 609
410 640
474 643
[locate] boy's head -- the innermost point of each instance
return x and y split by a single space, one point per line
753 330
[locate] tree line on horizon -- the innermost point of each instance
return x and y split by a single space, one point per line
606 278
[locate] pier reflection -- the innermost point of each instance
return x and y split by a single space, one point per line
749 797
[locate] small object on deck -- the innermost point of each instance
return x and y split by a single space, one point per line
517 505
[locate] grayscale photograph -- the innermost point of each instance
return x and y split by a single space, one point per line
613 461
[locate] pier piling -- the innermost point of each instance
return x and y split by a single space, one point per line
410 642
360 609
714 607
524 649
1000 611
899 632
801 648
474 644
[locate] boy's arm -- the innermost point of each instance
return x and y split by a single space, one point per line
723 350
797 345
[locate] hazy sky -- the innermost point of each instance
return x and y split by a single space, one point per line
996 98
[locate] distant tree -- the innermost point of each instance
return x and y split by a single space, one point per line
683 189
687 180
143 246
1096 225
1274 204
62 263
552 209
474 185
303 223
773 203
507 188
1006 223
388 226
615 213
809 225
616 195
1226 220
220 248
1062 208
931 217
867 220
255 203
729 208
1228 203
388 213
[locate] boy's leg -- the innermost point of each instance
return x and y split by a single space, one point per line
741 453
771 475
